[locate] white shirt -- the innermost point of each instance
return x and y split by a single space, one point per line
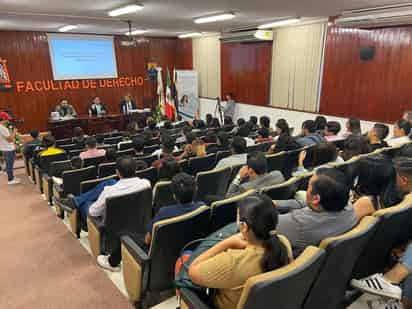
4 144
159 151
123 186
249 141
399 141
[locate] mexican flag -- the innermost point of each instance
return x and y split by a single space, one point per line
169 106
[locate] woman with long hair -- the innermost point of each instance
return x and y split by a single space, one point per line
255 250
284 142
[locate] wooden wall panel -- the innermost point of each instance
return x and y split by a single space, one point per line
27 54
377 90
245 71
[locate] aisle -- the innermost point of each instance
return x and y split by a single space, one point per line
41 264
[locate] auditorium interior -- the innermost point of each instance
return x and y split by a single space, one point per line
206 154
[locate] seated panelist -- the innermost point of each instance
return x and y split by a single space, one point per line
127 104
65 109
97 108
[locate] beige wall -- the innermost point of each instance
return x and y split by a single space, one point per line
296 66
206 61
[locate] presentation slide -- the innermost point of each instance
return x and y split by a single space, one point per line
82 56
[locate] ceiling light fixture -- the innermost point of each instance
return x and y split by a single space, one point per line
213 18
136 32
279 23
126 10
67 28
189 35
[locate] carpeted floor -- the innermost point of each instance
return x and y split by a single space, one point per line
41 264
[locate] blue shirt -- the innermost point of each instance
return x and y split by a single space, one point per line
172 211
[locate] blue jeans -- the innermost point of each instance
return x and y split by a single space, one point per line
406 261
86 199
9 157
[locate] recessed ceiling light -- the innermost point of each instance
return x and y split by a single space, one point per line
126 10
136 32
213 18
67 28
279 23
189 35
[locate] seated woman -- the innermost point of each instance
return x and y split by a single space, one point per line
354 146
376 186
255 250
284 142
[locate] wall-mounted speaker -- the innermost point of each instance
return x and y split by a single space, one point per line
367 53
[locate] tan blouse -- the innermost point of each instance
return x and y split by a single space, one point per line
228 272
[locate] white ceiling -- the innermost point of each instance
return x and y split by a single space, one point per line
163 17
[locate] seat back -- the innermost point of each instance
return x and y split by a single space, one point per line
113 140
125 145
225 211
266 145
75 152
162 195
44 162
276 161
57 168
148 173
73 178
212 185
349 168
87 185
94 161
342 251
256 147
106 169
393 229
285 287
63 142
168 238
148 159
126 152
201 164
69 147
128 214
283 191
150 149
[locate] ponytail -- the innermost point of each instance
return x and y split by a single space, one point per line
276 254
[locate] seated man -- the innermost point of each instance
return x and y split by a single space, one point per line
332 130
376 136
254 176
244 132
222 143
183 188
65 109
138 145
239 155
168 146
91 150
50 143
387 285
325 213
401 131
31 145
310 137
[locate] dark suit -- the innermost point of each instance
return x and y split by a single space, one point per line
94 111
125 107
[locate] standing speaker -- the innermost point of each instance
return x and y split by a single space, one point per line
367 53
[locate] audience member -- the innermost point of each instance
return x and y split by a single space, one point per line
401 132
310 137
185 131
183 189
231 262
322 154
376 186
170 168
79 138
405 151
376 136
320 125
254 175
138 145
239 123
325 213
244 132
332 130
388 285
111 155
29 147
151 128
263 136
165 136
239 155
228 121
222 143
209 118
354 146
253 122
50 143
168 145
91 149
408 117
353 127
284 142
264 121
215 123
100 140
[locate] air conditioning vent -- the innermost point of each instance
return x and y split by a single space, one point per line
247 36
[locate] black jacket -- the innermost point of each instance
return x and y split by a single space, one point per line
123 106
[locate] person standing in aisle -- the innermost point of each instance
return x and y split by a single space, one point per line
7 147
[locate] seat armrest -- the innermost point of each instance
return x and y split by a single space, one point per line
138 253
191 300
